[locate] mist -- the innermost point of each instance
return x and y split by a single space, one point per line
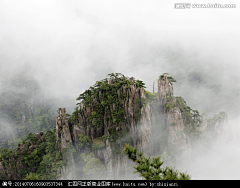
218 160
66 46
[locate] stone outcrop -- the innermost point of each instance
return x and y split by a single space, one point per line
151 126
65 143
139 130
172 117
203 126
140 133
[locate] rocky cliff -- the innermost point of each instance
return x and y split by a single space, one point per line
114 112
141 126
121 116
172 117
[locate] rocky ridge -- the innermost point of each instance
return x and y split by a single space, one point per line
129 117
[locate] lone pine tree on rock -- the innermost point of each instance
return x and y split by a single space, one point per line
150 168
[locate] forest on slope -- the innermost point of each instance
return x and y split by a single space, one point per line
24 108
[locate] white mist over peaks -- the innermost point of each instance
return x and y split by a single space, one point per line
69 45
219 160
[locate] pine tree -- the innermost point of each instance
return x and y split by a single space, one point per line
150 168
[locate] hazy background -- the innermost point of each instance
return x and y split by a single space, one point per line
69 45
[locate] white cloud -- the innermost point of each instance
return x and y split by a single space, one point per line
69 45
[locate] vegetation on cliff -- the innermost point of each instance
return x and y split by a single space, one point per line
150 168
216 119
31 176
24 109
89 166
170 78
105 102
106 94
33 155
93 167
150 96
191 118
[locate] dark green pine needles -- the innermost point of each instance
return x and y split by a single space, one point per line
150 168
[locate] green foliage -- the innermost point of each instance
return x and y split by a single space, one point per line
30 137
150 168
97 116
93 113
104 137
93 167
30 161
109 97
73 119
49 166
106 97
171 105
117 137
31 176
191 118
70 149
84 142
52 160
5 156
216 118
33 159
150 96
24 109
58 111
170 78
98 143
44 160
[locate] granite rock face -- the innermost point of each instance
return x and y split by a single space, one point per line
143 126
139 130
65 143
172 117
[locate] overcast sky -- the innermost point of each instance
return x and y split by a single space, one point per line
69 45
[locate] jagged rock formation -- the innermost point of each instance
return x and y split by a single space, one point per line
64 143
172 117
132 105
140 131
116 113
202 127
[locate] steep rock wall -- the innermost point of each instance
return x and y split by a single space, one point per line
137 123
172 117
65 144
